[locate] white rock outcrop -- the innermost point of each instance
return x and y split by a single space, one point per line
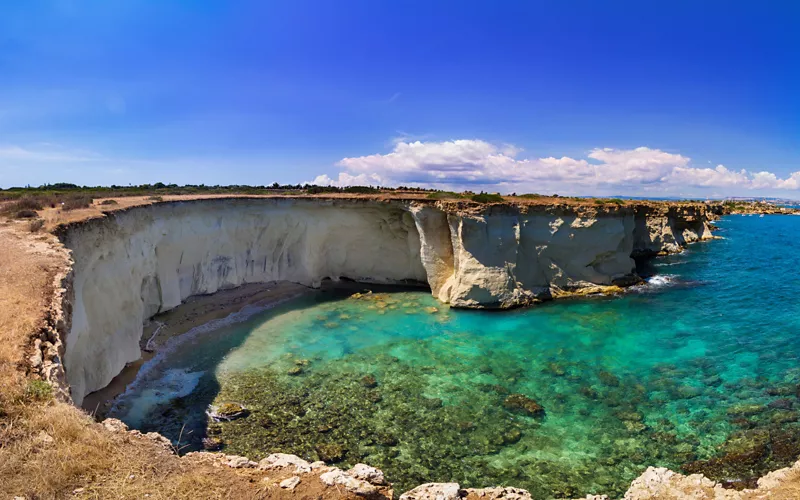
137 262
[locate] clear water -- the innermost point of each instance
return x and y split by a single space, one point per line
697 370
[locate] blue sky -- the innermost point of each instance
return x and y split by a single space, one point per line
450 94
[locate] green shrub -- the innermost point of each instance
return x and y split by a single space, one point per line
487 198
443 195
38 390
26 214
109 202
155 198
75 202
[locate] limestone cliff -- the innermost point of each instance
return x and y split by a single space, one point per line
137 262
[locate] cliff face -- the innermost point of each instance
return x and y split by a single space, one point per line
135 263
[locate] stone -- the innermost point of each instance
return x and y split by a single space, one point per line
369 474
212 443
330 452
500 492
369 381
225 412
114 425
608 378
295 370
433 491
237 462
291 483
351 484
523 404
782 404
285 460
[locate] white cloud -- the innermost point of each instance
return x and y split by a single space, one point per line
473 163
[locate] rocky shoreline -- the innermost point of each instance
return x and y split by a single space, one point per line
48 351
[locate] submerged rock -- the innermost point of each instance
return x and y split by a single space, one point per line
225 412
212 444
295 370
523 404
369 381
330 452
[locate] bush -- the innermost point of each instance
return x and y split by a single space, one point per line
39 390
155 198
487 198
442 195
109 202
27 214
28 203
36 225
76 202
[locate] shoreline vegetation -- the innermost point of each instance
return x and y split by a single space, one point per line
49 448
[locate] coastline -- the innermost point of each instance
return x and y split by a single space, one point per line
197 312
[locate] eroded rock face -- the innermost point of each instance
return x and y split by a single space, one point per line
145 260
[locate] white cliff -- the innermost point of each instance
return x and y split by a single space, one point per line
135 263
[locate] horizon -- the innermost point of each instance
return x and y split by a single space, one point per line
622 99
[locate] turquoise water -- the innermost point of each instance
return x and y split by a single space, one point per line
697 370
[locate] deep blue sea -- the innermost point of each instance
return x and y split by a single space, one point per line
697 370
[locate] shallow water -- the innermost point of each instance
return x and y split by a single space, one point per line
695 370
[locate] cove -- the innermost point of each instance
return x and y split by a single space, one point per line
696 371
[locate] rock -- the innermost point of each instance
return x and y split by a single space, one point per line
523 404
745 410
295 370
291 483
284 460
114 425
44 438
499 492
351 484
782 404
212 444
237 462
225 412
369 381
433 491
369 474
608 378
512 436
431 310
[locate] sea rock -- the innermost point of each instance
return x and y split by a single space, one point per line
782 404
225 412
330 452
284 460
212 443
369 381
433 491
369 474
290 483
523 404
608 378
